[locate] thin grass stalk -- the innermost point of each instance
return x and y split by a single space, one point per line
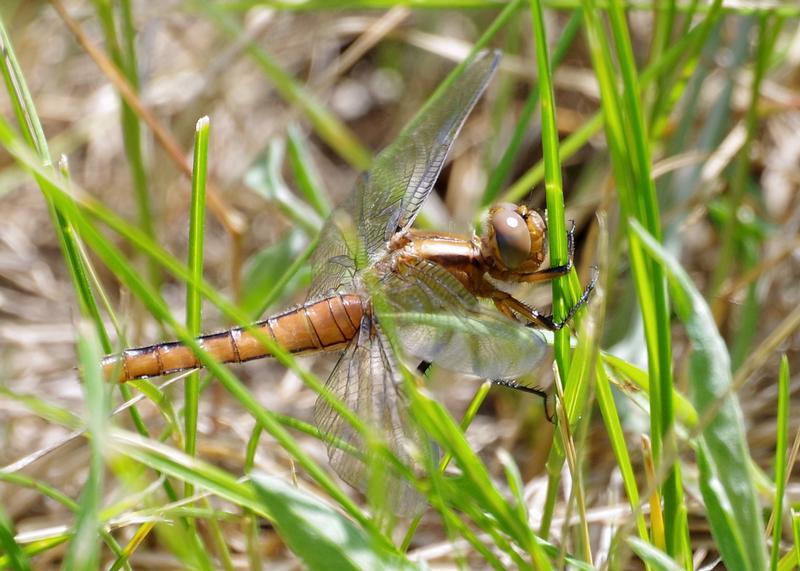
666 100
659 337
500 173
608 410
84 550
142 533
563 293
194 300
123 54
194 321
664 12
781 443
38 547
571 456
251 526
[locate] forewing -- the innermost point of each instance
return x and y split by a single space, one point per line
367 381
388 198
404 173
439 321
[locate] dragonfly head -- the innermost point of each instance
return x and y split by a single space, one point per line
516 237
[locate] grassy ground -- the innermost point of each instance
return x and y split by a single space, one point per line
668 133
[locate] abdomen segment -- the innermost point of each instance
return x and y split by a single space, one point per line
328 324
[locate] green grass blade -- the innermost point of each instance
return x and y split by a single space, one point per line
652 556
616 436
194 322
725 475
84 549
629 146
501 172
781 447
657 322
123 55
566 289
476 486
14 557
466 421
684 411
194 300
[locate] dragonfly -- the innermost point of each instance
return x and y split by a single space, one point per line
371 268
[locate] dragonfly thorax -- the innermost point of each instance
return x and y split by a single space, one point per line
515 240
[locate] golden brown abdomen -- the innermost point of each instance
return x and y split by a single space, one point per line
318 326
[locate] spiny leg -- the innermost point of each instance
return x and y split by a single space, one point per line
514 385
510 306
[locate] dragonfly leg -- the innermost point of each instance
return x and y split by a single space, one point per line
509 306
529 390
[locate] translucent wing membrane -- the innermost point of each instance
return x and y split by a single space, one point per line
333 263
404 174
367 381
439 321
388 197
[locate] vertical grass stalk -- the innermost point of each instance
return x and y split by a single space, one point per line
194 300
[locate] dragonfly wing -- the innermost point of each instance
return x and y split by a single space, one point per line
440 321
388 198
367 381
403 175
333 263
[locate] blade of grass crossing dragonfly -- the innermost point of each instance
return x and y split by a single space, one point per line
194 300
84 552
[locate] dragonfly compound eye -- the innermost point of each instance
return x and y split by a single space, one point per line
511 236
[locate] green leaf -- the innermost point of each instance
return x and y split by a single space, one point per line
725 476
652 556
321 535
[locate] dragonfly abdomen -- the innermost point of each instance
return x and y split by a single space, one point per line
327 324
